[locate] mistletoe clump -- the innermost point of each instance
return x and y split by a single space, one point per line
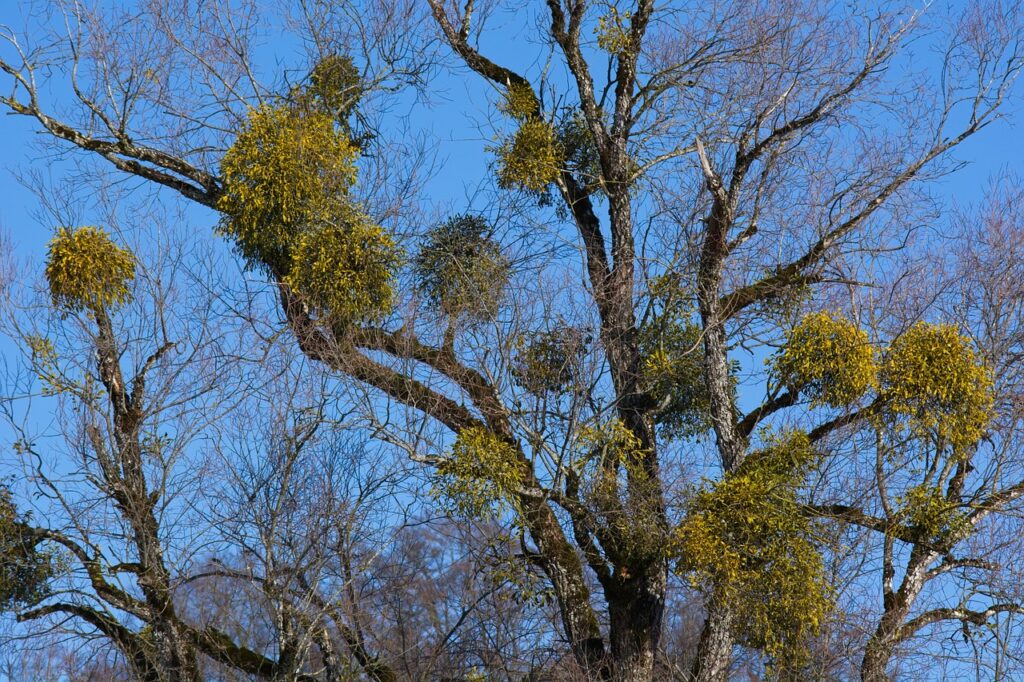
548 362
287 203
748 539
86 270
25 569
461 269
934 381
613 33
828 358
335 86
673 374
519 102
617 486
931 515
579 150
288 173
345 272
533 156
481 472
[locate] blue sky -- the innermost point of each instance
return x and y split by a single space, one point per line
460 151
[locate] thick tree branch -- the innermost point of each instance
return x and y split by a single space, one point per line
857 517
626 72
962 614
130 643
341 356
222 648
566 32
750 421
475 385
459 41
126 155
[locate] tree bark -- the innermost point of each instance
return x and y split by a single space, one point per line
876 657
897 605
635 624
175 657
714 652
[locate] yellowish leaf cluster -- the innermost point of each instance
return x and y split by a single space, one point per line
335 86
482 471
86 270
612 32
287 174
829 358
931 515
44 362
610 441
520 103
42 349
515 583
345 273
288 207
932 378
747 538
476 675
673 374
617 486
532 158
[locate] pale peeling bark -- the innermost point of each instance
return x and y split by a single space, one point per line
897 604
714 653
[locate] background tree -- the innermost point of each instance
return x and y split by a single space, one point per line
140 524
224 526
678 185
119 444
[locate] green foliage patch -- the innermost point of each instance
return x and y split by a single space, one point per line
618 488
519 102
461 270
748 539
345 273
613 32
286 174
482 473
549 362
86 270
287 201
335 87
673 374
933 517
25 569
932 379
532 158
828 358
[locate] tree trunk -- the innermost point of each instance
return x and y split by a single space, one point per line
714 653
897 605
880 647
635 617
876 657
